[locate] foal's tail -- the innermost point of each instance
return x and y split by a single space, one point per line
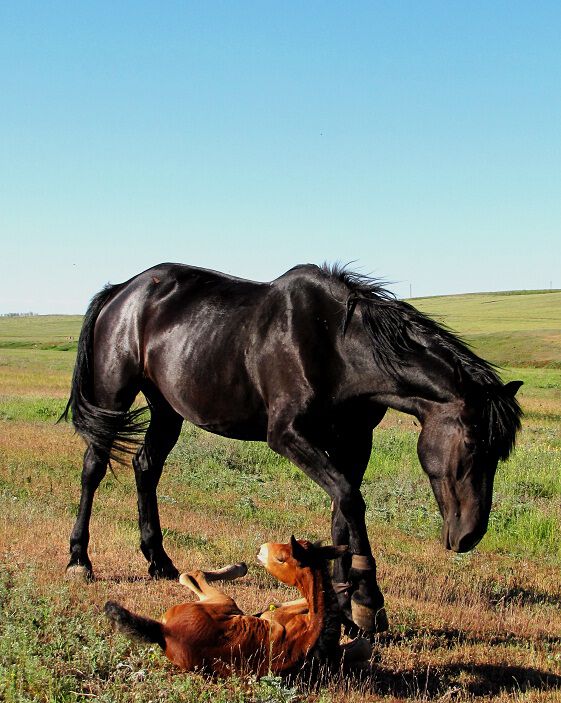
143 629
111 431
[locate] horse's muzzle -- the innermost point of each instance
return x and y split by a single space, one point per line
459 538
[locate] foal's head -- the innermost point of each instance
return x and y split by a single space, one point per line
287 561
459 448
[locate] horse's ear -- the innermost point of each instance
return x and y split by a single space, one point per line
512 387
299 552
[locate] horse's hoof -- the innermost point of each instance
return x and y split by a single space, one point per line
358 651
168 572
78 572
369 619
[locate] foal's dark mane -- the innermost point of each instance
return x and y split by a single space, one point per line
398 330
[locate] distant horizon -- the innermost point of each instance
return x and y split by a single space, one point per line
519 291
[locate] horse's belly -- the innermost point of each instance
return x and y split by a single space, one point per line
254 430
224 408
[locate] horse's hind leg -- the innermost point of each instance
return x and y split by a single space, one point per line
161 436
94 469
96 459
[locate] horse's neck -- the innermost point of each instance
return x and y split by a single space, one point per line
415 388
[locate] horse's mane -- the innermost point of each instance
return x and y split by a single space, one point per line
397 330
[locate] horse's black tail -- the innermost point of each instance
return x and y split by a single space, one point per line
143 629
114 432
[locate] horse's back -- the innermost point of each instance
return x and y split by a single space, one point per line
167 293
219 348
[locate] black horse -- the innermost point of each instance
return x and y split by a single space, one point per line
308 363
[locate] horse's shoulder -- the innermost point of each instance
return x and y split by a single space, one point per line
301 274
310 279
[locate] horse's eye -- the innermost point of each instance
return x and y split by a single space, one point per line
470 446
281 560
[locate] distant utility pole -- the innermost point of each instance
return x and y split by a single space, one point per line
410 291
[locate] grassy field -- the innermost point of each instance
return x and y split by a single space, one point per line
520 328
483 626
58 332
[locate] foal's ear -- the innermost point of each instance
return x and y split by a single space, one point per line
512 387
333 552
299 552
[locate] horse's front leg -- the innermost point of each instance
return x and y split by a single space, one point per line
354 580
354 577
367 603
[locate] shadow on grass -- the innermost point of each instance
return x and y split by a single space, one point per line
449 638
524 596
475 679
123 579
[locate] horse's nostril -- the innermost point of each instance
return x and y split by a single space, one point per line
469 541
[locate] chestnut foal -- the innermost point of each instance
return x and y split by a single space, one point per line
213 634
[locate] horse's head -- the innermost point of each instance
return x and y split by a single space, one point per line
459 448
286 561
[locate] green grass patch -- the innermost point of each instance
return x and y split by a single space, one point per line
487 313
520 349
535 378
40 329
42 346
29 361
31 409
43 642
519 330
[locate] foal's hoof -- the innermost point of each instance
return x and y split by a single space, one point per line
78 572
369 619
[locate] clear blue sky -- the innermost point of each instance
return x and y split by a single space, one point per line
420 139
